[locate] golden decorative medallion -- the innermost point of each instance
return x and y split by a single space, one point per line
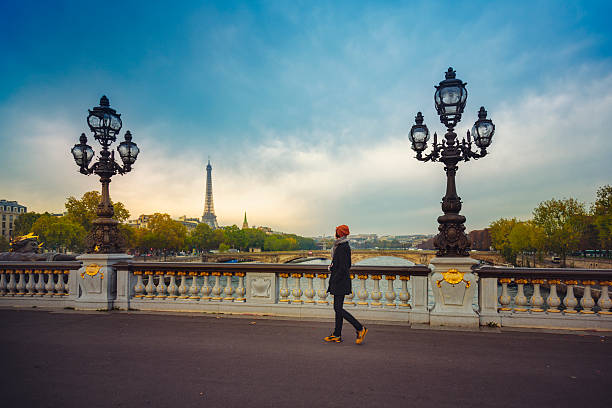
453 276
92 269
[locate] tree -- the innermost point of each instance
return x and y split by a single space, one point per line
59 233
500 232
23 223
563 223
524 237
201 237
83 211
601 215
165 234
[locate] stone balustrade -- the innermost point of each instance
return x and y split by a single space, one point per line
539 297
385 293
511 297
37 283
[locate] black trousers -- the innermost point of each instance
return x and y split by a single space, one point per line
342 314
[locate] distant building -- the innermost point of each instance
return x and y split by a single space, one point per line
190 223
267 230
10 211
481 239
209 216
141 222
245 223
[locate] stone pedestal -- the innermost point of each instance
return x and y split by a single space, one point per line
96 281
453 285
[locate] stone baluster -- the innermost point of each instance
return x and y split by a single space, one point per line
240 290
587 301
322 292
348 299
59 286
297 290
217 289
570 300
553 301
31 285
67 282
228 291
520 299
604 301
50 286
206 288
172 287
284 288
40 284
363 292
139 287
21 283
2 282
161 285
536 299
150 288
376 293
404 295
504 299
11 287
309 292
183 286
390 294
194 291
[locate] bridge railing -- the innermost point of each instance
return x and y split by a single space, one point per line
279 289
51 283
545 297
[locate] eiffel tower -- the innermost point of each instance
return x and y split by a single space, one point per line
209 216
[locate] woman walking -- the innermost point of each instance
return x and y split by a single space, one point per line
340 285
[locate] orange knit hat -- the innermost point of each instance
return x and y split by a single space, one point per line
342 230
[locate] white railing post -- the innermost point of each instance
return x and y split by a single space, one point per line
604 301
206 288
363 291
587 301
297 289
172 286
240 290
404 295
570 300
390 294
376 293
161 285
11 287
553 301
216 290
487 302
536 299
2 282
150 286
520 299
420 311
504 298
31 285
284 288
183 290
322 292
228 291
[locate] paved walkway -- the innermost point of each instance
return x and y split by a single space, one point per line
71 359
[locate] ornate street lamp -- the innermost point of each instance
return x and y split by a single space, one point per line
450 98
105 124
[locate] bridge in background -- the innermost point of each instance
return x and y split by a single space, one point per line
417 257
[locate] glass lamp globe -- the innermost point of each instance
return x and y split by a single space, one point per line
419 134
128 150
483 129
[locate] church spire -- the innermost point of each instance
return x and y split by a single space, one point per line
245 223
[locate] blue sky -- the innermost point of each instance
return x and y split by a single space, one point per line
304 107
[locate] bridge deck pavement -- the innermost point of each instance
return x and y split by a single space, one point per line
72 359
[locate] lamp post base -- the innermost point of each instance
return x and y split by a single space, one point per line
105 238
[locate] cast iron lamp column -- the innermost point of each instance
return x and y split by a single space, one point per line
450 98
105 124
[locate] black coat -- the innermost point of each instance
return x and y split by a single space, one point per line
340 279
